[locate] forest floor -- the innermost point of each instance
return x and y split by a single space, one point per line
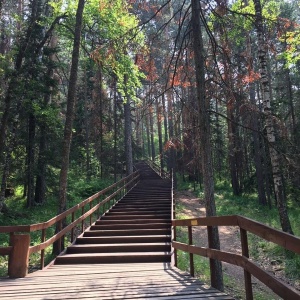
191 206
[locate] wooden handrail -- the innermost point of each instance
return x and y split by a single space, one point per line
116 189
161 172
287 241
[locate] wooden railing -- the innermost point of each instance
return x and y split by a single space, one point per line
161 172
287 241
19 249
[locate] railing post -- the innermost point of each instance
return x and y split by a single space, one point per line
173 216
91 214
19 256
82 222
190 232
247 275
175 250
43 251
72 230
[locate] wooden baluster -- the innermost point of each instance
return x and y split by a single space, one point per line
175 250
82 222
190 233
72 230
43 251
91 214
247 275
59 226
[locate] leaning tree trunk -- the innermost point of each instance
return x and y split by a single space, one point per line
69 117
205 143
270 128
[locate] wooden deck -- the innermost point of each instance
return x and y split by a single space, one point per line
108 281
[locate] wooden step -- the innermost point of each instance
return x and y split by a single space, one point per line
125 232
132 221
124 239
112 216
137 212
130 226
118 257
137 229
149 206
112 248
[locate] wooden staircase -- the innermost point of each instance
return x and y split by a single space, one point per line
137 229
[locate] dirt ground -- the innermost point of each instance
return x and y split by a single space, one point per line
230 242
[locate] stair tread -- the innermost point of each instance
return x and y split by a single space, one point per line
121 245
117 254
136 229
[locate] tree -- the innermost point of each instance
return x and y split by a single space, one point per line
205 143
71 99
270 128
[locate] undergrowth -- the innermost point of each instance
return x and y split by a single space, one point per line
19 214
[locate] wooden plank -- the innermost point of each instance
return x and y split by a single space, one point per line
208 221
117 281
288 241
5 250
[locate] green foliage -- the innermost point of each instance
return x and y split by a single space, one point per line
19 214
242 18
121 40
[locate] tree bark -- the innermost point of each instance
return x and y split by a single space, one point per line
128 138
71 99
270 128
30 159
152 132
159 130
205 143
128 135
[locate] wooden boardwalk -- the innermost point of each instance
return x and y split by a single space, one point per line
126 254
108 281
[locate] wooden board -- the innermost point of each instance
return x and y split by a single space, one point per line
108 281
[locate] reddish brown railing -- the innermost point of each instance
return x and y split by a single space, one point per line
287 241
20 249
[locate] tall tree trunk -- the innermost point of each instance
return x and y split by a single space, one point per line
266 91
99 75
71 99
128 134
87 127
171 150
30 159
165 114
128 138
159 129
148 135
115 132
152 132
205 143
258 157
40 186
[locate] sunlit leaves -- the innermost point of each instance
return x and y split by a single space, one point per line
290 36
243 18
120 41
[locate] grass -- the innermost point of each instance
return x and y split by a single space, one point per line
19 214
247 205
